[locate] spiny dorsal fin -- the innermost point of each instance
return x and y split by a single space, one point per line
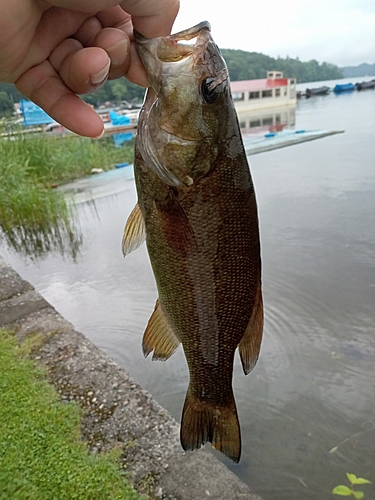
249 345
159 336
134 232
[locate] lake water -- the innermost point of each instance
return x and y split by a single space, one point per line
313 388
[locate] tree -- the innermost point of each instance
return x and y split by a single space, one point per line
119 90
11 90
115 90
251 65
6 104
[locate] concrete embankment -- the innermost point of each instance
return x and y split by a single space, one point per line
117 411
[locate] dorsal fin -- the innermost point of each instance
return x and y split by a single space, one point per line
159 336
249 345
134 232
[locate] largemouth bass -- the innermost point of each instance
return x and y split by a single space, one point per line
197 211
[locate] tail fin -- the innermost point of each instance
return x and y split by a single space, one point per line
204 421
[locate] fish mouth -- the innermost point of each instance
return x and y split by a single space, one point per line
170 48
194 48
190 33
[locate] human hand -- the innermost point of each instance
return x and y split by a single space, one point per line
55 49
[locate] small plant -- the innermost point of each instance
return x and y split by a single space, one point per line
345 491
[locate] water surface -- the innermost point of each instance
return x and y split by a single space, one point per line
314 386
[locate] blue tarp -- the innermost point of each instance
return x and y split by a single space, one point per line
345 87
118 119
119 139
33 114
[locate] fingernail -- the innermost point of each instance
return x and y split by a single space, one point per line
118 52
99 136
99 77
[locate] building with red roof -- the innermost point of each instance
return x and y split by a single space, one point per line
273 91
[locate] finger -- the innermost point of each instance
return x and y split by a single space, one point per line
152 19
137 73
83 70
116 17
88 31
43 86
124 59
117 45
66 48
114 41
83 5
55 26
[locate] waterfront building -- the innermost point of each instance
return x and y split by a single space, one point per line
273 91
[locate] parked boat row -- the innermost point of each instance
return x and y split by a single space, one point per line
337 89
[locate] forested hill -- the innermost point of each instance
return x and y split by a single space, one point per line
363 69
252 65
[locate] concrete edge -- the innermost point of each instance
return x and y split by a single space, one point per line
117 411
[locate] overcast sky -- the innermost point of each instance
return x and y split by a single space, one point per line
341 32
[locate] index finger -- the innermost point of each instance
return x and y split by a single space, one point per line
152 18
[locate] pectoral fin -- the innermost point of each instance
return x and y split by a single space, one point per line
249 345
134 232
159 336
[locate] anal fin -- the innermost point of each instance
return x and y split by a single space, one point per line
159 336
249 345
134 232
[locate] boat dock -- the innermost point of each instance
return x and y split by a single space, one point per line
268 142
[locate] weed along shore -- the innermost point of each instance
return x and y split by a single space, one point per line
117 414
34 216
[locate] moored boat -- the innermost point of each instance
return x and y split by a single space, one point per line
365 85
344 87
317 91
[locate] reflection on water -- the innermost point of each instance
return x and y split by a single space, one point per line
313 389
57 235
267 120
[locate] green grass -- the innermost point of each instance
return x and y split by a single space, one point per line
56 159
34 217
41 454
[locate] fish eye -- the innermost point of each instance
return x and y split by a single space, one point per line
210 94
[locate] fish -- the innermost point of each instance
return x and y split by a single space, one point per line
197 212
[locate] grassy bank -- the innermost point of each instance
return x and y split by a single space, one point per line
41 454
34 216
